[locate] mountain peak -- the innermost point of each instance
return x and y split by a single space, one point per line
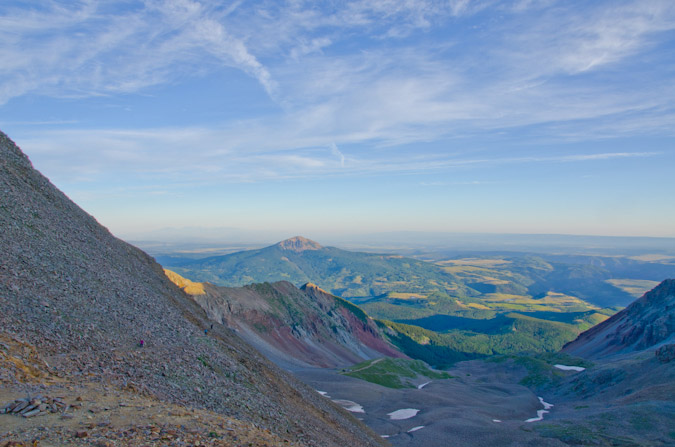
299 243
311 287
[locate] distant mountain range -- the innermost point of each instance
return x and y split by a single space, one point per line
299 261
442 311
357 276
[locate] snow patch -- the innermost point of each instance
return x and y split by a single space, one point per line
323 393
349 405
569 368
541 413
419 387
496 420
546 405
419 427
540 416
405 413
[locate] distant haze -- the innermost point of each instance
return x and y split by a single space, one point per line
212 241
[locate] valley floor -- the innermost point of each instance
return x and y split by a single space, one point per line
480 406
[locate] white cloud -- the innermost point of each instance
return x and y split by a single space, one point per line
336 152
89 48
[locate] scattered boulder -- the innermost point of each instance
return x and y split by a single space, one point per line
666 353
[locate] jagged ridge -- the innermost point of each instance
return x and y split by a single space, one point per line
302 326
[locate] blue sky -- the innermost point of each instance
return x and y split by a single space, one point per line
315 118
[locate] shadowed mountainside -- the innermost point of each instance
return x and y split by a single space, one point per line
306 326
647 322
76 301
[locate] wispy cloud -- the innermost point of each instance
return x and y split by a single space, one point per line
533 67
88 48
158 155
335 151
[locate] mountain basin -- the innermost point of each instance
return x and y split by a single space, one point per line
457 411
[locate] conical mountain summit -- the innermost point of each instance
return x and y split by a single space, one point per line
299 244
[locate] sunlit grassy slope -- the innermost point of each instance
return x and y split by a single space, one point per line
395 373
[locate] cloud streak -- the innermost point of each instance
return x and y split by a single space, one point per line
157 155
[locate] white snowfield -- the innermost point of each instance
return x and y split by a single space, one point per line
405 413
569 368
349 405
419 387
419 427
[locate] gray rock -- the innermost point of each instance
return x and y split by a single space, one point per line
31 413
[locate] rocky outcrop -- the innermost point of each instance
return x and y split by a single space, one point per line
84 300
666 353
30 407
647 323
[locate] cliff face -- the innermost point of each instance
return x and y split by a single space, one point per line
81 300
646 323
306 326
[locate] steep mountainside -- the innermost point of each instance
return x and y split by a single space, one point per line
306 326
648 322
75 302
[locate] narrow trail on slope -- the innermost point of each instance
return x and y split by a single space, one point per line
368 366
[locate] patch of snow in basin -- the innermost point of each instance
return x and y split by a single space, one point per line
541 413
419 387
569 368
405 413
546 405
496 420
349 405
323 393
540 416
419 427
